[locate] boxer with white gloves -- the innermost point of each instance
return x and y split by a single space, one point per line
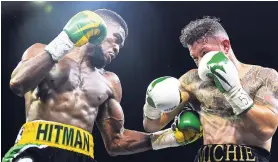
237 103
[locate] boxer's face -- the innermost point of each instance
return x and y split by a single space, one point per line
109 48
203 46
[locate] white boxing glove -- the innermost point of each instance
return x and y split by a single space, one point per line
217 66
163 95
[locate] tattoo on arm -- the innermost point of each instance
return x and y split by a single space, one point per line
267 94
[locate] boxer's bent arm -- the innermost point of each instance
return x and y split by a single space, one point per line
110 121
31 70
185 88
117 139
262 118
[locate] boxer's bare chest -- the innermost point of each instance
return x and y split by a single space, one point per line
69 79
211 100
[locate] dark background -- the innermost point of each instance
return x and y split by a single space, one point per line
151 50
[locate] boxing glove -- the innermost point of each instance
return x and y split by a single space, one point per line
217 66
163 95
85 26
185 129
187 126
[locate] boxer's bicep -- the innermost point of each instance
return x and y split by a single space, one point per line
117 139
266 98
110 121
267 94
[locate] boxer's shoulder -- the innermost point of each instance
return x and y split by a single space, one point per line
189 80
260 79
269 77
190 77
114 83
110 76
266 72
261 74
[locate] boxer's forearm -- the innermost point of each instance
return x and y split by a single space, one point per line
29 73
261 121
129 142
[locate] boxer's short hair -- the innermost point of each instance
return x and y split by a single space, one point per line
111 16
197 29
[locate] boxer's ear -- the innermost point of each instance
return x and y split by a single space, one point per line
226 45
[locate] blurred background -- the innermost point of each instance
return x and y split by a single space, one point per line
152 49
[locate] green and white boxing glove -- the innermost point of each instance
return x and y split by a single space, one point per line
220 68
85 26
185 129
163 95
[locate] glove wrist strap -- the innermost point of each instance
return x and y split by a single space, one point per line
164 139
151 112
59 47
239 100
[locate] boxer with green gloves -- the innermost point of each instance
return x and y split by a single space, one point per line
67 91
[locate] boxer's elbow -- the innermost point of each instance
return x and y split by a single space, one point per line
265 134
17 87
267 130
113 149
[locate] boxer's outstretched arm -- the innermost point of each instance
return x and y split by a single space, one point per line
262 118
31 70
110 121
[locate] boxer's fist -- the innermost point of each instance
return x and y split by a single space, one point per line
187 127
84 27
217 66
163 95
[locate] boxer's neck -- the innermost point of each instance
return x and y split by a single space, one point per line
79 56
241 67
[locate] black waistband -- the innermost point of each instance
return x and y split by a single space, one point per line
230 152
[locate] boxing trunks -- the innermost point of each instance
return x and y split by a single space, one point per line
44 141
231 152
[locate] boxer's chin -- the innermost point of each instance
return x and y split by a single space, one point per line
97 61
97 58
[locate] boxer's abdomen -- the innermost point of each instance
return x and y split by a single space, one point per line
218 130
72 109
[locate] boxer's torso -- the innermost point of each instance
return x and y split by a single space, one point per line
71 93
219 124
